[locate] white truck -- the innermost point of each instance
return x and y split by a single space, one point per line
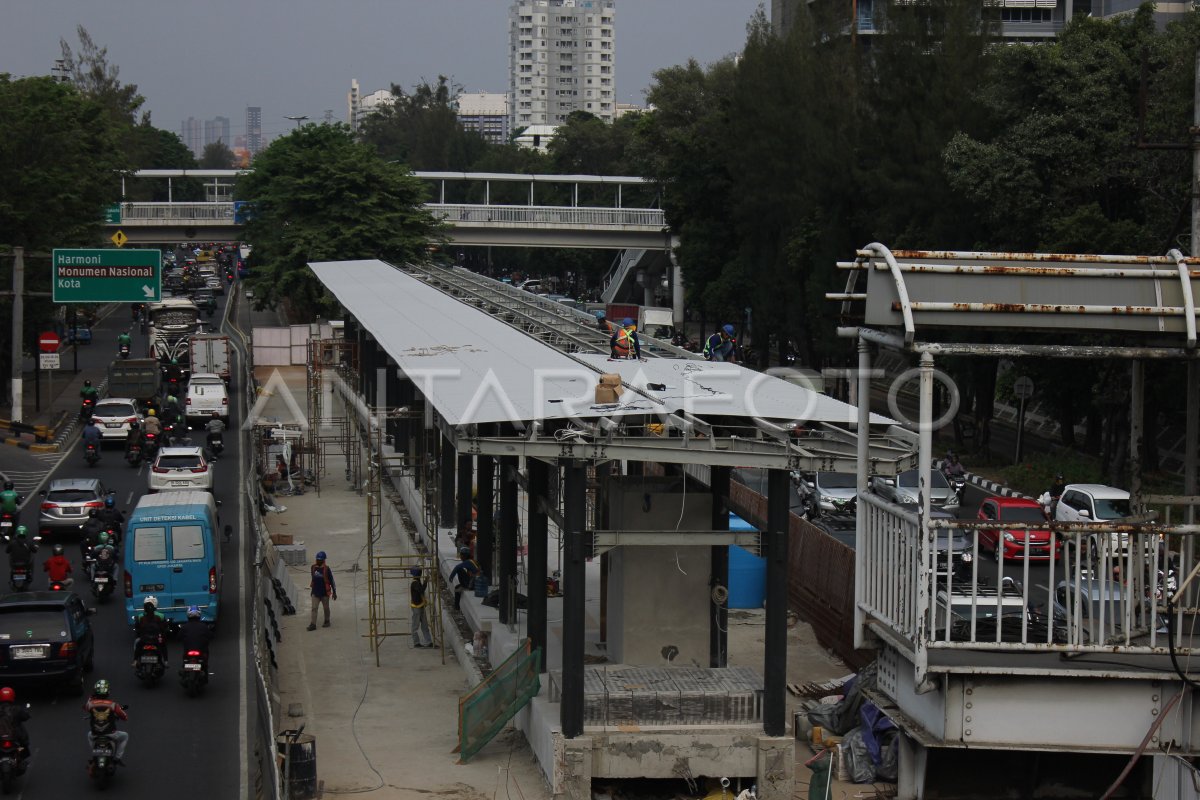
209 352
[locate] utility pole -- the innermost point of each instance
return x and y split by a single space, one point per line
1192 435
18 324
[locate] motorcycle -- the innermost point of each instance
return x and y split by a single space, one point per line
123 351
20 576
8 523
12 761
958 483
134 455
102 581
58 586
216 445
149 667
91 454
151 445
193 677
85 409
103 763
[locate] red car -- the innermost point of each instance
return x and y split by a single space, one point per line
1014 509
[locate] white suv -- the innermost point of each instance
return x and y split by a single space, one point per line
1094 502
206 393
181 468
114 415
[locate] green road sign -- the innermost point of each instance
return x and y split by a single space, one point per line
107 276
112 214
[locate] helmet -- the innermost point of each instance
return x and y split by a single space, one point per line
101 688
464 552
7 695
150 412
415 572
102 538
627 322
320 555
151 601
193 612
58 549
600 314
133 426
21 531
174 362
109 501
92 512
8 485
728 329
87 383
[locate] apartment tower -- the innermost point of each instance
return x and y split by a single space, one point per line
562 58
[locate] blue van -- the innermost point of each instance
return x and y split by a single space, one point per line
172 552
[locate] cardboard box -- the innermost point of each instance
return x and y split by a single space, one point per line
609 389
281 538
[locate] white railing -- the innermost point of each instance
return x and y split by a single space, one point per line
453 214
1105 591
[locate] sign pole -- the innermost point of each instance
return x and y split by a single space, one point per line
75 336
18 323
1020 428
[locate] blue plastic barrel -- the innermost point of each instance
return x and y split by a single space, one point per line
482 585
747 572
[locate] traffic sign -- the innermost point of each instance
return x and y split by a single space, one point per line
112 214
48 342
119 238
1023 388
48 360
107 276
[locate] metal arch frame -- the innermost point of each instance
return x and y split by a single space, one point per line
882 251
1189 302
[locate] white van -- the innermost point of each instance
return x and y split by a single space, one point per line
206 393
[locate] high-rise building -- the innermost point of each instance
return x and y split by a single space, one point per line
358 105
485 113
191 132
254 140
217 130
562 58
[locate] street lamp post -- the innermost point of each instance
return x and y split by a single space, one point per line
297 119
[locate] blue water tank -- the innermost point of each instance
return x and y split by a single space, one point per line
747 572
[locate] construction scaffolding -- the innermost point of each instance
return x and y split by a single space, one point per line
331 432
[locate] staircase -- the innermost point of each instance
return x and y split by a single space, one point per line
619 273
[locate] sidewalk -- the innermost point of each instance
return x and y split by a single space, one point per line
395 726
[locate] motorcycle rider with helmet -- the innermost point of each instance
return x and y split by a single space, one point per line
13 717
20 550
151 625
105 553
124 340
103 713
153 424
89 392
58 568
10 501
195 634
216 429
111 518
133 438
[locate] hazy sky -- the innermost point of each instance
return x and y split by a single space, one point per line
207 58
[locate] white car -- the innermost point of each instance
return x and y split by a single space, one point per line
206 393
181 468
1095 502
114 415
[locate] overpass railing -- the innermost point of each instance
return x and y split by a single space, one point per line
454 214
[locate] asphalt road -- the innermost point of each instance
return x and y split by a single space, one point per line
179 747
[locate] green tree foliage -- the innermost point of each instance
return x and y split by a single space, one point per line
317 195
217 155
421 129
89 70
155 148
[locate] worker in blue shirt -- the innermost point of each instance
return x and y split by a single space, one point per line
721 346
624 342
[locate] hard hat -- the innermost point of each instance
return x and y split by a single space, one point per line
464 552
320 555
600 314
728 330
627 322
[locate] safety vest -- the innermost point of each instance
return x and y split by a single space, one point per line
624 342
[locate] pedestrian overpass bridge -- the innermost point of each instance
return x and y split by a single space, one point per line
527 222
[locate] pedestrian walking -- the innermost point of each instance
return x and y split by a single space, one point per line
322 589
420 623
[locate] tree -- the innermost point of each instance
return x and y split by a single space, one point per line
154 148
317 195
421 129
94 77
217 156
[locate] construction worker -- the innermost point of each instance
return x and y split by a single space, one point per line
721 346
624 342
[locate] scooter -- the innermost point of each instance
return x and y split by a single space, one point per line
20 577
102 580
216 445
193 677
103 763
91 454
85 409
151 445
134 455
12 761
123 351
149 667
8 523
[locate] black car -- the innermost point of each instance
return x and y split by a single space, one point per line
46 638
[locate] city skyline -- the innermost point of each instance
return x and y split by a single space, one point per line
301 63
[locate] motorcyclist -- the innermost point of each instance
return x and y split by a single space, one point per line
111 517
170 411
58 568
13 718
152 423
89 392
195 634
20 549
124 340
10 501
103 714
135 311
133 438
952 468
173 372
216 429
105 553
91 435
150 626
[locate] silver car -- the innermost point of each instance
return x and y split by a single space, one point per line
66 503
903 489
827 492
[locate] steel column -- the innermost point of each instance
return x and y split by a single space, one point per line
392 401
574 597
1137 413
779 486
718 612
1192 434
507 578
860 522
924 470
485 505
446 485
466 482
539 484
